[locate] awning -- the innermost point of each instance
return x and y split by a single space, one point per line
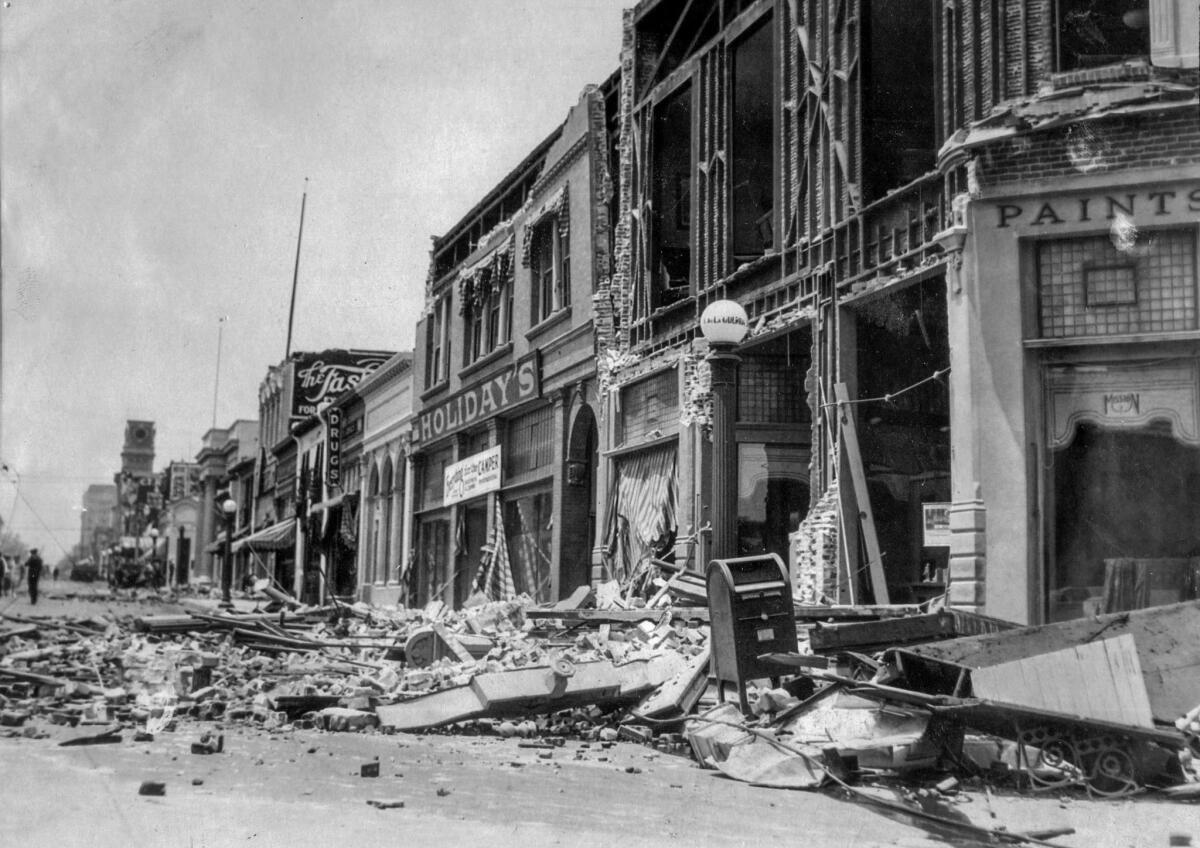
277 537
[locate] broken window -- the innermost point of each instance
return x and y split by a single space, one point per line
899 113
904 429
752 131
1101 32
528 525
550 261
773 443
672 196
671 33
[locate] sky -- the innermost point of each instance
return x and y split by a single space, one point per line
153 158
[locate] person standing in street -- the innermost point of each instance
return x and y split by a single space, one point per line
33 573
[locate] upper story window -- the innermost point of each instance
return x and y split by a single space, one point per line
437 342
752 134
671 195
485 291
550 264
1101 32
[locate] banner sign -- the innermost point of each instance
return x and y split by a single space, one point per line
321 377
516 384
474 476
333 447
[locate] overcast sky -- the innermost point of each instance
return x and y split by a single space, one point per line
153 156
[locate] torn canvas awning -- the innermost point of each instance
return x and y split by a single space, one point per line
277 537
642 519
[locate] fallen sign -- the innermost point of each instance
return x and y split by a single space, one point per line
559 686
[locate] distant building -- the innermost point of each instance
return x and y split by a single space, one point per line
99 520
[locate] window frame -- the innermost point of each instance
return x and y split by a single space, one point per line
437 342
551 278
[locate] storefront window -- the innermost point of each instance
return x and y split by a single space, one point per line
433 476
432 554
528 524
530 442
1124 532
772 496
642 509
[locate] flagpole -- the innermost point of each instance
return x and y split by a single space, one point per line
296 271
217 380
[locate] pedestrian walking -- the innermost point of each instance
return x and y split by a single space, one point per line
33 573
6 576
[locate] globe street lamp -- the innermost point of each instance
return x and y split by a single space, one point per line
724 324
228 508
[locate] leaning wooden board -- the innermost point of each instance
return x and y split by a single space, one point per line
1167 640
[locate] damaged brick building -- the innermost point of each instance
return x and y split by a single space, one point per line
504 428
965 239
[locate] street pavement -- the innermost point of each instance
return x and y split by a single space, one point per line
293 788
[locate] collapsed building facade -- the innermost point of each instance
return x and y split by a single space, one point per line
965 241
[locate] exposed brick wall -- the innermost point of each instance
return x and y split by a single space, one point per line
611 302
1137 141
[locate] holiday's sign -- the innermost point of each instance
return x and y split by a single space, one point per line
514 385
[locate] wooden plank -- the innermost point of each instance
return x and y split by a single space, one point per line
849 432
1079 680
1168 651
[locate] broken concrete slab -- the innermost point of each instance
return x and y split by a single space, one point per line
506 693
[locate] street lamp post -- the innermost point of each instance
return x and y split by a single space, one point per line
228 509
724 324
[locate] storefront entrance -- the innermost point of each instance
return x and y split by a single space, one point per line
904 432
1123 495
1123 484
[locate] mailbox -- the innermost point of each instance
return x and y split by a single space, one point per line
751 613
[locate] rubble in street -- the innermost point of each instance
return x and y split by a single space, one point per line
848 713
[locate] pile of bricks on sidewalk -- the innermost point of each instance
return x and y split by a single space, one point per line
869 695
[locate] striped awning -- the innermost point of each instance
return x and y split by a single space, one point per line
277 537
642 508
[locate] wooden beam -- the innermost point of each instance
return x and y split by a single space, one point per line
849 432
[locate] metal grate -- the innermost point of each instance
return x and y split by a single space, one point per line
530 442
771 390
649 405
1087 287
